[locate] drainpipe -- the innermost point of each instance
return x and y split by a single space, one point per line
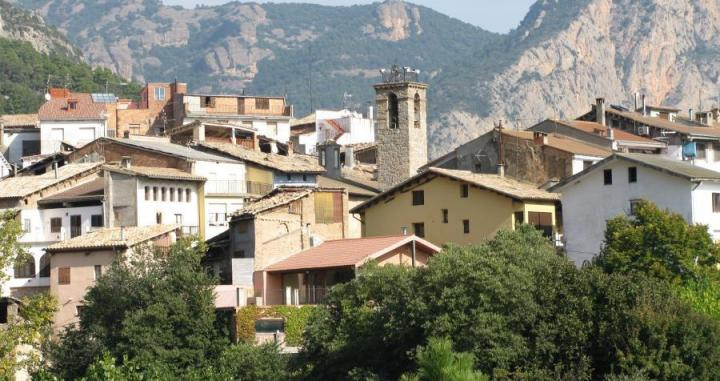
413 252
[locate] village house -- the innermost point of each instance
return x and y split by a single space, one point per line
686 139
531 156
153 115
462 207
19 137
268 230
305 277
611 188
51 207
344 127
77 263
70 120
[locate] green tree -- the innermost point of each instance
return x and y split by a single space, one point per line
658 243
35 313
437 361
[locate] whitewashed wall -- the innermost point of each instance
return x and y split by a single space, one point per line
73 132
147 210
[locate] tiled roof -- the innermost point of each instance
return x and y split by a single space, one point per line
503 185
666 124
563 143
359 147
600 130
171 149
109 238
295 163
19 120
352 187
364 175
657 162
21 186
155 173
278 197
310 118
347 252
86 109
91 190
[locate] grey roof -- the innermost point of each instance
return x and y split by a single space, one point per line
673 167
174 150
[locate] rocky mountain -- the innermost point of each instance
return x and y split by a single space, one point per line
564 54
21 25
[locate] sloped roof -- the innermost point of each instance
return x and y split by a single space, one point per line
666 124
57 109
171 149
92 190
155 173
502 185
21 186
307 119
19 120
347 252
594 127
674 167
278 197
109 238
364 175
352 187
563 143
295 163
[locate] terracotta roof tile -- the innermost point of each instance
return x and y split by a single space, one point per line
666 124
347 252
295 163
108 238
278 197
155 173
58 109
21 186
92 189
600 130
564 143
19 120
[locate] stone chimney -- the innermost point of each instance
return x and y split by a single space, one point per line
329 158
126 162
600 111
540 138
501 169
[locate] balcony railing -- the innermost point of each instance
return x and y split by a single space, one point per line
237 187
304 296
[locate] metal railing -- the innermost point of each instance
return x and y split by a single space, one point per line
308 295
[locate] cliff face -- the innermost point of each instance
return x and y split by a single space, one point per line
21 25
566 53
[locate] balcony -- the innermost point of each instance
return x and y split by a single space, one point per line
309 295
237 187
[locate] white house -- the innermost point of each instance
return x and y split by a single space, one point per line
611 187
19 137
51 207
73 119
345 127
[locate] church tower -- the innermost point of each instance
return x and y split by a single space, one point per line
401 130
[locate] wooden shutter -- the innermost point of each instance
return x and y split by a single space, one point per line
324 208
337 207
64 275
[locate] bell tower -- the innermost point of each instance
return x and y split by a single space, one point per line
401 130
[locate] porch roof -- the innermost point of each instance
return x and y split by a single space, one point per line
347 252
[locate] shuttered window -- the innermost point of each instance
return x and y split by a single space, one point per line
328 208
542 221
64 275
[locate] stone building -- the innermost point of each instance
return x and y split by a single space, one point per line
401 125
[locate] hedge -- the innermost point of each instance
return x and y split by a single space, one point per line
295 320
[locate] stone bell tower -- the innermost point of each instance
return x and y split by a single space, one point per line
401 130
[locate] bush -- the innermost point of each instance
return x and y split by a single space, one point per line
437 361
295 321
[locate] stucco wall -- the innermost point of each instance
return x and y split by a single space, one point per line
71 133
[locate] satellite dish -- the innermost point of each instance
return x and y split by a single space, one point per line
47 96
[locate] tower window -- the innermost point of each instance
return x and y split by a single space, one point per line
393 117
417 110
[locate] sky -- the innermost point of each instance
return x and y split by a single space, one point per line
494 15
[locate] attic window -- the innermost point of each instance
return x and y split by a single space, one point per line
72 104
207 102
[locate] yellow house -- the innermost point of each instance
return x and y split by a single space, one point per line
444 206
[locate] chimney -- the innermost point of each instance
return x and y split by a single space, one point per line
290 148
600 111
690 114
371 112
126 162
122 233
55 169
349 157
501 169
329 157
636 101
644 105
540 138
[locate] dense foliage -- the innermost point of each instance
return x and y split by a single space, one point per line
25 75
437 361
523 313
295 319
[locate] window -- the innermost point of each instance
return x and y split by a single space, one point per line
172 194
541 221
24 268
700 147
416 107
607 177
27 225
164 193
393 118
418 197
72 104
55 225
464 190
98 271
262 103
633 206
632 174
716 151
187 195
64 275
180 195
336 157
178 219
159 93
445 216
289 177
466 226
147 193
96 220
587 164
45 266
239 254
322 158
304 178
134 129
419 229
328 207
158 218
207 102
519 218
156 194
716 202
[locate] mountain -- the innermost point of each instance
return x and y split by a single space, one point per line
34 56
564 54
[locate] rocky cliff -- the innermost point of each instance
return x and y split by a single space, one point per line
18 24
